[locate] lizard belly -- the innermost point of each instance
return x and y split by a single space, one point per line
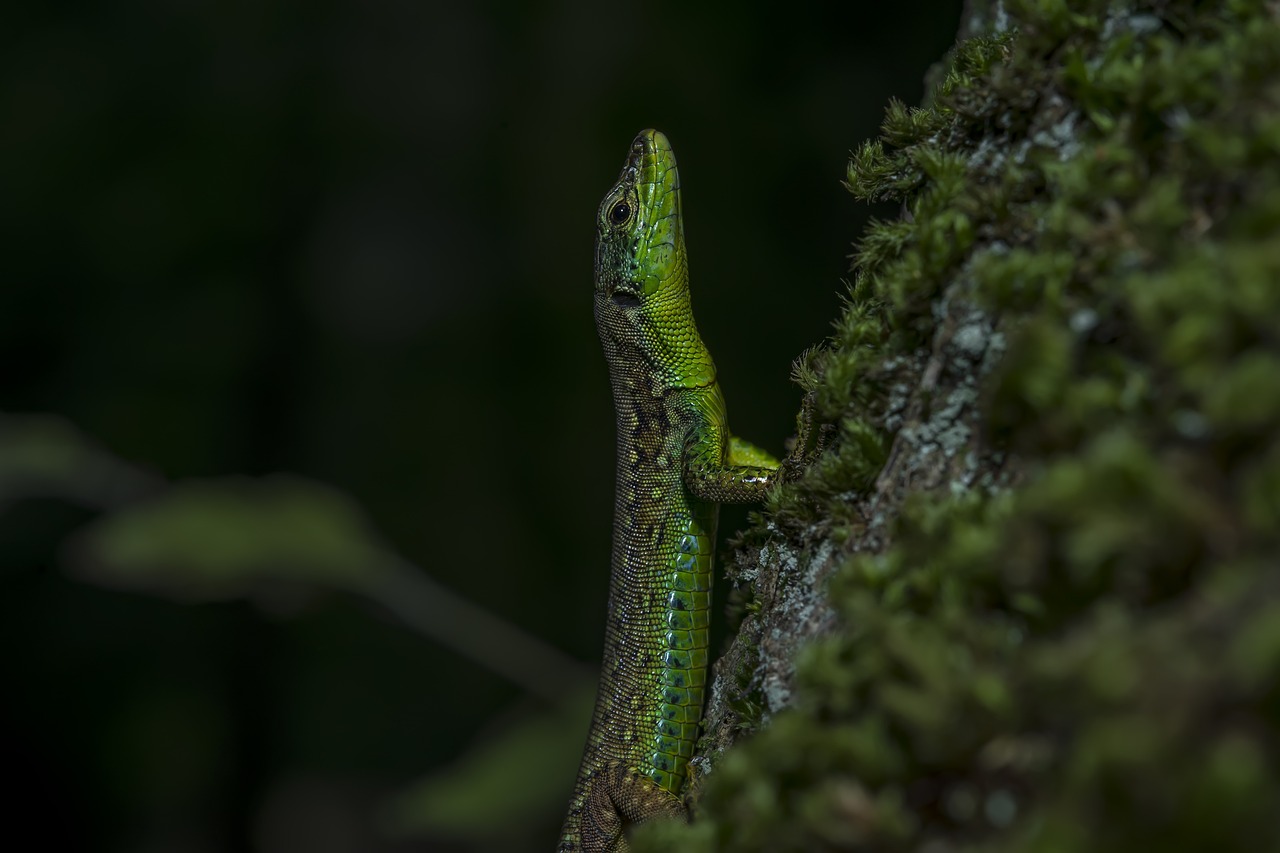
653 675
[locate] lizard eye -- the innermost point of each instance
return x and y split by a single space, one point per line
620 213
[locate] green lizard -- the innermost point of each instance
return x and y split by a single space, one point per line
676 463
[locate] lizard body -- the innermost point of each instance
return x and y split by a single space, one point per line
676 462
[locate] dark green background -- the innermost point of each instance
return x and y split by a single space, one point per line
353 241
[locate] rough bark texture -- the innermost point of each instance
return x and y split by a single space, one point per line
1027 599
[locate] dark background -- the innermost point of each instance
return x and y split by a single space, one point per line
353 241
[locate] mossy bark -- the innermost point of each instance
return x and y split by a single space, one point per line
1028 598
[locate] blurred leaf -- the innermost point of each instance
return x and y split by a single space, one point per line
505 773
45 456
210 540
218 539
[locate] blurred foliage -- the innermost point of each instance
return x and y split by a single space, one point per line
271 541
213 540
44 456
1084 658
508 767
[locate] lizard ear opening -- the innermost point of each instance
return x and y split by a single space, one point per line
623 299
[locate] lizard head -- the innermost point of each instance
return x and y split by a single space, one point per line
639 232
641 276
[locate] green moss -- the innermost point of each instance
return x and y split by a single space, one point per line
1065 637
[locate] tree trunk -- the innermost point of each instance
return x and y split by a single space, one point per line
1027 598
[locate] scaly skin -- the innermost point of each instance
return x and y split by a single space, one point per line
676 463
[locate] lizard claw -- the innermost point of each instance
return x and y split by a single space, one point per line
810 441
